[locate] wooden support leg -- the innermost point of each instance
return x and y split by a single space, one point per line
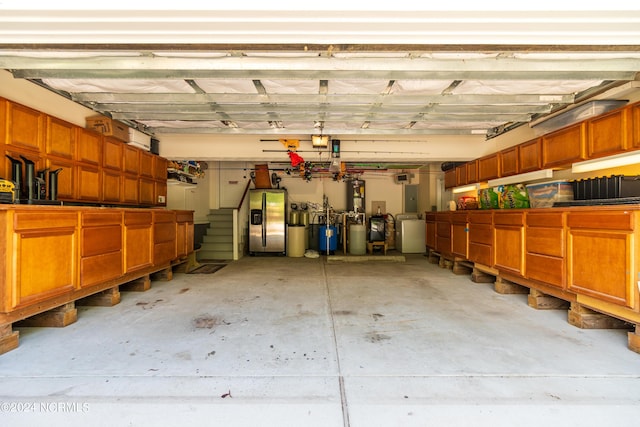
57 318
461 267
434 257
634 340
8 339
445 263
542 301
164 275
107 298
139 285
503 286
481 277
585 318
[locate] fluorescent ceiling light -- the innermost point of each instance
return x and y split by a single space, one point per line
319 141
618 160
523 177
465 188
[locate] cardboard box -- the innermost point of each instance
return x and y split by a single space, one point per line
109 127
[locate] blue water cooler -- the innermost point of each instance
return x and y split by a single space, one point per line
322 238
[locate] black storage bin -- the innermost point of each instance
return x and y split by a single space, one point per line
629 186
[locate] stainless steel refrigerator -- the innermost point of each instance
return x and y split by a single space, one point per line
267 221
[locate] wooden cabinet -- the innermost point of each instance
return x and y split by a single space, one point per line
480 225
111 186
602 255
130 160
146 191
39 256
609 133
164 235
545 247
530 156
635 118
101 248
443 232
461 174
450 178
146 164
60 139
509 161
563 147
130 189
184 233
89 147
160 193
459 234
508 242
430 230
159 168
489 167
66 178
24 127
138 240
89 181
112 153
472 172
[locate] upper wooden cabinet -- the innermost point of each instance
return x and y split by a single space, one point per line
146 164
159 168
609 133
509 161
530 156
635 114
24 126
461 174
450 178
130 159
60 138
89 147
489 167
472 172
112 153
563 147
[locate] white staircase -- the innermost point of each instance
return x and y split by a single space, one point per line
217 243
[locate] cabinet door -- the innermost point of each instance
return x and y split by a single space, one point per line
609 133
111 186
430 230
530 156
65 176
459 235
160 193
138 237
450 178
508 243
159 168
509 161
130 159
60 138
472 172
146 164
489 167
563 147
112 153
443 232
25 127
635 114
592 239
44 251
130 189
89 147
461 174
88 183
164 235
146 191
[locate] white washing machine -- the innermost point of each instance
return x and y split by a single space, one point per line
410 233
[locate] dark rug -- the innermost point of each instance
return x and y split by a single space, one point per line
207 269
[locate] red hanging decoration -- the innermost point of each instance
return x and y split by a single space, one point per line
295 158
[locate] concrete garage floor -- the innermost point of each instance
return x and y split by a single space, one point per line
275 341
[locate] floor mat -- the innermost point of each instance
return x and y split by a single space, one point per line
207 269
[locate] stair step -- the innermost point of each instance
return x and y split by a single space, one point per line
215 246
218 238
219 231
202 254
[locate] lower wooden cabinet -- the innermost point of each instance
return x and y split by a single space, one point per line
164 236
459 234
101 249
430 230
508 243
138 239
602 253
545 248
443 232
481 237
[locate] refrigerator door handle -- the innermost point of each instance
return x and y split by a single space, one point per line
264 219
